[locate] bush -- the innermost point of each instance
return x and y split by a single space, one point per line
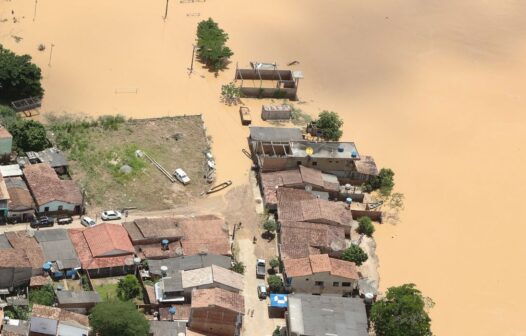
329 123
19 78
230 93
365 226
274 262
384 182
211 45
355 254
270 225
118 318
8 116
43 296
238 267
277 331
128 288
275 283
402 312
28 135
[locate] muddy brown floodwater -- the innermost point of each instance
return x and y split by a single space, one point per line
433 89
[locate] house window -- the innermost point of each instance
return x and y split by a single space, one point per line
335 284
60 207
314 163
46 209
318 283
346 284
299 163
307 279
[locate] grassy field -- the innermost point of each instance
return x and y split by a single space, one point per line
97 149
107 291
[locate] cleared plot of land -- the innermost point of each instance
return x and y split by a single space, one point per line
99 150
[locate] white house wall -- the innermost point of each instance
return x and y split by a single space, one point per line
53 206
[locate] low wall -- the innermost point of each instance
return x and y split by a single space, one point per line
375 216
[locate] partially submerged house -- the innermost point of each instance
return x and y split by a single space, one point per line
104 250
15 267
166 237
55 321
300 178
216 311
178 287
268 82
316 315
51 194
320 274
20 207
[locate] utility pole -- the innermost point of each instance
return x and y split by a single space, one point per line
166 10
50 54
192 63
35 11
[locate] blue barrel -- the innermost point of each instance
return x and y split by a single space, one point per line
348 200
172 310
47 266
354 154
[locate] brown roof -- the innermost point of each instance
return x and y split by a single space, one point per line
21 242
39 280
366 165
4 194
154 251
87 260
217 297
19 196
53 313
46 186
224 276
163 227
301 239
319 264
14 258
205 234
311 176
108 240
182 312
4 133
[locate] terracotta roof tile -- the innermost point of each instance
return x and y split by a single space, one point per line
297 267
4 133
217 297
311 176
320 263
22 242
46 186
14 258
19 196
108 240
344 269
59 314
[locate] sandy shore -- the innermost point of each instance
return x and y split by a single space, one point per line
434 90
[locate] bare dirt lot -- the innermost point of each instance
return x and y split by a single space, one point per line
175 142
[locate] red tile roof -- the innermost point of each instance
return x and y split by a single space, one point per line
217 297
58 314
14 258
108 240
46 186
22 242
320 264
182 312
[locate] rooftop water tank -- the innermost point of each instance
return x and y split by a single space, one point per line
164 244
164 270
369 297
172 310
136 261
354 154
340 149
348 200
47 266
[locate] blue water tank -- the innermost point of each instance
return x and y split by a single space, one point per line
172 310
354 154
47 266
348 200
164 244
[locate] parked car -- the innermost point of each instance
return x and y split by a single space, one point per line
262 291
64 220
87 221
111 215
260 268
181 176
42 222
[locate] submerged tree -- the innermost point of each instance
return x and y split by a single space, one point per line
329 123
402 313
211 45
19 78
384 182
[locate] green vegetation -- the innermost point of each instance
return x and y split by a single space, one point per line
298 117
396 201
238 267
43 296
118 318
402 313
275 283
107 292
17 312
274 262
277 331
85 282
19 78
230 94
8 116
28 135
329 123
365 226
270 225
128 288
384 182
211 45
355 254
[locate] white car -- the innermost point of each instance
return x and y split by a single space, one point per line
110 215
181 176
262 291
87 221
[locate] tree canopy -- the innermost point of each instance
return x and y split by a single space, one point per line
329 123
270 225
275 283
128 288
384 182
365 226
211 45
28 135
19 78
121 318
355 254
42 296
402 313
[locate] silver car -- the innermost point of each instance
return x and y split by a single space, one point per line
87 221
181 176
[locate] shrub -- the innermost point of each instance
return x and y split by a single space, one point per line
270 225
19 78
238 267
42 296
211 45
355 254
275 283
128 288
329 123
274 262
28 135
384 182
118 318
365 226
230 93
